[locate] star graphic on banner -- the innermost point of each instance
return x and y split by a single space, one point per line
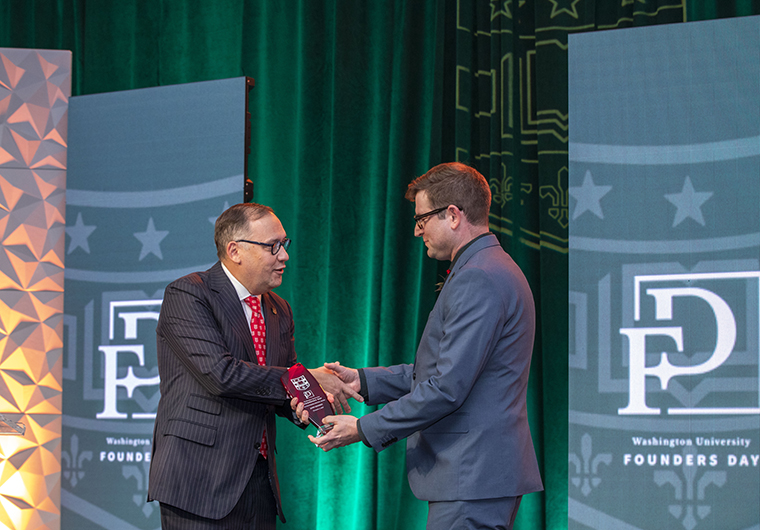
689 203
588 196
79 234
572 10
151 240
213 219
500 7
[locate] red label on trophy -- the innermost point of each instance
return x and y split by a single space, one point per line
300 383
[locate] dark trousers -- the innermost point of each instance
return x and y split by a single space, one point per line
485 514
256 509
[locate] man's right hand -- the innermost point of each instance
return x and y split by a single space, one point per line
333 383
350 376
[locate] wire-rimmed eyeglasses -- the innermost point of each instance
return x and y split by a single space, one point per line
275 247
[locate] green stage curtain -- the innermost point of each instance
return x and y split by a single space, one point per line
711 9
353 100
506 113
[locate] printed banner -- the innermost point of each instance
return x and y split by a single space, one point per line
665 277
149 172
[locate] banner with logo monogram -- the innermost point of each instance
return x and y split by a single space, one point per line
664 399
149 172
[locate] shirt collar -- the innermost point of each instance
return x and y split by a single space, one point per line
241 291
461 250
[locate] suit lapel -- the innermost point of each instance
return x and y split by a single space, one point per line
272 323
233 316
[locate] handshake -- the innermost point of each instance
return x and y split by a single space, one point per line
339 384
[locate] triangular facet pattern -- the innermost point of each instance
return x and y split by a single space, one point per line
30 471
34 94
34 98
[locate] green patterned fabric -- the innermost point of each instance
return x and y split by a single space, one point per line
508 109
353 100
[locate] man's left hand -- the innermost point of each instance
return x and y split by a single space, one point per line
302 414
344 432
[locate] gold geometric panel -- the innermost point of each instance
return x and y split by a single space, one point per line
34 100
32 228
34 93
30 474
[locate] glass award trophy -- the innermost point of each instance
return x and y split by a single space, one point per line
300 383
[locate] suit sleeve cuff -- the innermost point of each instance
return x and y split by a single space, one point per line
361 433
363 383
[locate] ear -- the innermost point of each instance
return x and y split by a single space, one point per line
233 252
455 216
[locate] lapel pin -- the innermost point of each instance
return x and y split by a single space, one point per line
274 310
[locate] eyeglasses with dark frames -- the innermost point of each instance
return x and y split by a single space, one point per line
423 218
275 247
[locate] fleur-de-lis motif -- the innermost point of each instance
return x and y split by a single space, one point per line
586 478
140 474
501 190
73 460
683 490
558 195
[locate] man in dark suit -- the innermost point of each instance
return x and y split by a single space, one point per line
213 462
462 404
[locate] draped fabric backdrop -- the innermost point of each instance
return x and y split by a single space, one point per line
353 100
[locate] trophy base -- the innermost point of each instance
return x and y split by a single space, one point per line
324 429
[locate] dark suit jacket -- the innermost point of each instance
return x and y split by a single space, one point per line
215 398
462 405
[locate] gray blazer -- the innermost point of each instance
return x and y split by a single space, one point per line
215 398
462 405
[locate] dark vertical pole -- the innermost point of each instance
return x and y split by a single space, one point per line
247 182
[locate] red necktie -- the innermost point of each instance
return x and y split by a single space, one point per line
259 335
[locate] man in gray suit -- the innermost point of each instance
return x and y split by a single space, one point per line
213 461
462 404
